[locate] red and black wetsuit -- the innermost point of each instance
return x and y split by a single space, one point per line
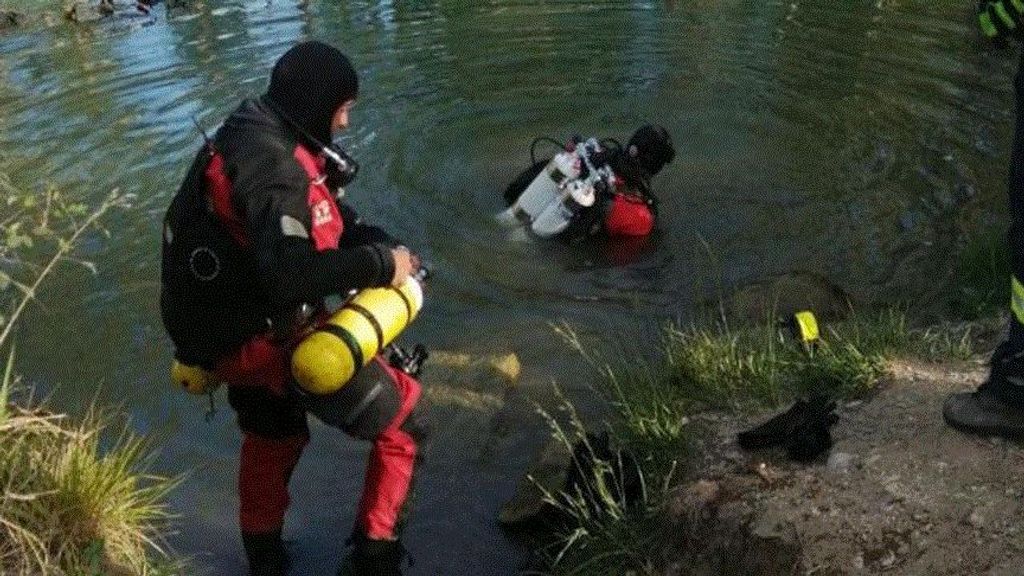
252 234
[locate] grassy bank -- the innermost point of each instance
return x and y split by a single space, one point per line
75 500
74 495
716 368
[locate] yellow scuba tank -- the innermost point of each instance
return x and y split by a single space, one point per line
193 379
328 358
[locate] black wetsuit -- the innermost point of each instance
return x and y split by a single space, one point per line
261 255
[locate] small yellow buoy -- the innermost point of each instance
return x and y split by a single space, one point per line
193 379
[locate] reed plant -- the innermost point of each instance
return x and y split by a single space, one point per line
605 506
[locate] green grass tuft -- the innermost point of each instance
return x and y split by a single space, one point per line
716 368
69 507
601 536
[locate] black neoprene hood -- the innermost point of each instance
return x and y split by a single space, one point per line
652 148
308 84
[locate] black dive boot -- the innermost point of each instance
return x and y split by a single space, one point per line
266 554
373 558
996 408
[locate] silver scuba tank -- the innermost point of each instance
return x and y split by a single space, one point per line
575 194
544 190
558 214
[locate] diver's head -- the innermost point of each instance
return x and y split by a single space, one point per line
651 148
311 84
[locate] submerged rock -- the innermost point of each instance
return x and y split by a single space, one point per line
784 295
476 383
547 475
591 478
10 19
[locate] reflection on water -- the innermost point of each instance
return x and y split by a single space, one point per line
856 143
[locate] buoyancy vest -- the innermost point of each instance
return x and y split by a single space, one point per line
628 215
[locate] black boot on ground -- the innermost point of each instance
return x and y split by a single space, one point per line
996 408
373 558
266 554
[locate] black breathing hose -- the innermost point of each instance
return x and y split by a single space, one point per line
539 139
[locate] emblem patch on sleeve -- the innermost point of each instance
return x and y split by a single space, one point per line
290 226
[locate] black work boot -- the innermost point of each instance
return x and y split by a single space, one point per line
266 554
373 558
996 408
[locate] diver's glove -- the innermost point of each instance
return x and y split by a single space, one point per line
803 430
1001 19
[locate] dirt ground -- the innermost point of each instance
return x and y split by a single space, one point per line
900 493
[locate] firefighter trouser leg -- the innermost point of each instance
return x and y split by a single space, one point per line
1016 237
274 433
1006 379
382 405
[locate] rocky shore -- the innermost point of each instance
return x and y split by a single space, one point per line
900 493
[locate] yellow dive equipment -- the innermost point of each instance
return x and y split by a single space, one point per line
328 358
193 379
806 327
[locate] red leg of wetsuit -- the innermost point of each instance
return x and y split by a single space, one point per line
266 466
390 468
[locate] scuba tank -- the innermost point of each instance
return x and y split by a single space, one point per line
544 189
572 180
327 359
596 179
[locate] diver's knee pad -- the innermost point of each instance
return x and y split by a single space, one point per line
418 424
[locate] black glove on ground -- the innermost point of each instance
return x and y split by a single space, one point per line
803 430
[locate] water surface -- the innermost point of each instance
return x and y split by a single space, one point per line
857 143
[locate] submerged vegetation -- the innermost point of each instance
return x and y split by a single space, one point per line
74 499
982 275
698 369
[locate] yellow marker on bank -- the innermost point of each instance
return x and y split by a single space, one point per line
805 327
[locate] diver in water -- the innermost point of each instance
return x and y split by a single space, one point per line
591 188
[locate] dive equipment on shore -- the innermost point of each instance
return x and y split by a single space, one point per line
572 180
804 429
328 358
193 379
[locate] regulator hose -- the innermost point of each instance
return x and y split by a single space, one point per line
538 140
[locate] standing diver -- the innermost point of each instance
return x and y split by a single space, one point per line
591 188
253 242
